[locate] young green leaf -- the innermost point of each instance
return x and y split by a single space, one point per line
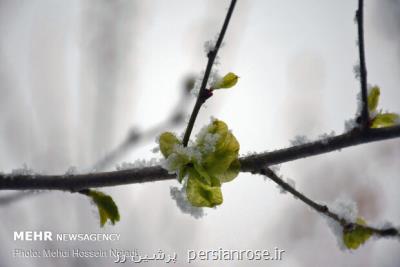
228 81
167 143
373 98
354 238
210 161
200 194
108 210
204 177
218 162
181 173
385 120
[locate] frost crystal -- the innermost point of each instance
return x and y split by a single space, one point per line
346 209
179 195
139 163
214 78
289 181
71 171
299 140
208 140
197 84
192 153
276 168
357 71
22 171
349 125
324 138
209 46
252 153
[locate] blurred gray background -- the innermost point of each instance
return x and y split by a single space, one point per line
76 76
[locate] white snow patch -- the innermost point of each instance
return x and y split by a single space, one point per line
209 46
349 125
289 181
357 71
179 195
299 140
25 170
71 171
139 163
324 138
276 168
345 208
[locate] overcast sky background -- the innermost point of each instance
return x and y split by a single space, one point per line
76 76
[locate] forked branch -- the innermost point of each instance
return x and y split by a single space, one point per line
324 210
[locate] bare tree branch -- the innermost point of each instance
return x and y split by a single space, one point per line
363 69
202 97
252 163
323 209
338 142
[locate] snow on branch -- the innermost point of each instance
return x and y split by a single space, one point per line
342 215
252 163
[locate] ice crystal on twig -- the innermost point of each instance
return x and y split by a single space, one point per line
179 195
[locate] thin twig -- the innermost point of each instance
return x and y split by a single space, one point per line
250 163
363 69
211 58
323 209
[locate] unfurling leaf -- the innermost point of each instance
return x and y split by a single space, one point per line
208 162
167 143
108 210
373 98
218 163
201 194
355 237
385 120
379 119
181 173
228 81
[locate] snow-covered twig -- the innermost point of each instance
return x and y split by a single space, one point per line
212 54
323 209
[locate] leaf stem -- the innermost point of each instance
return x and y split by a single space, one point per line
251 163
